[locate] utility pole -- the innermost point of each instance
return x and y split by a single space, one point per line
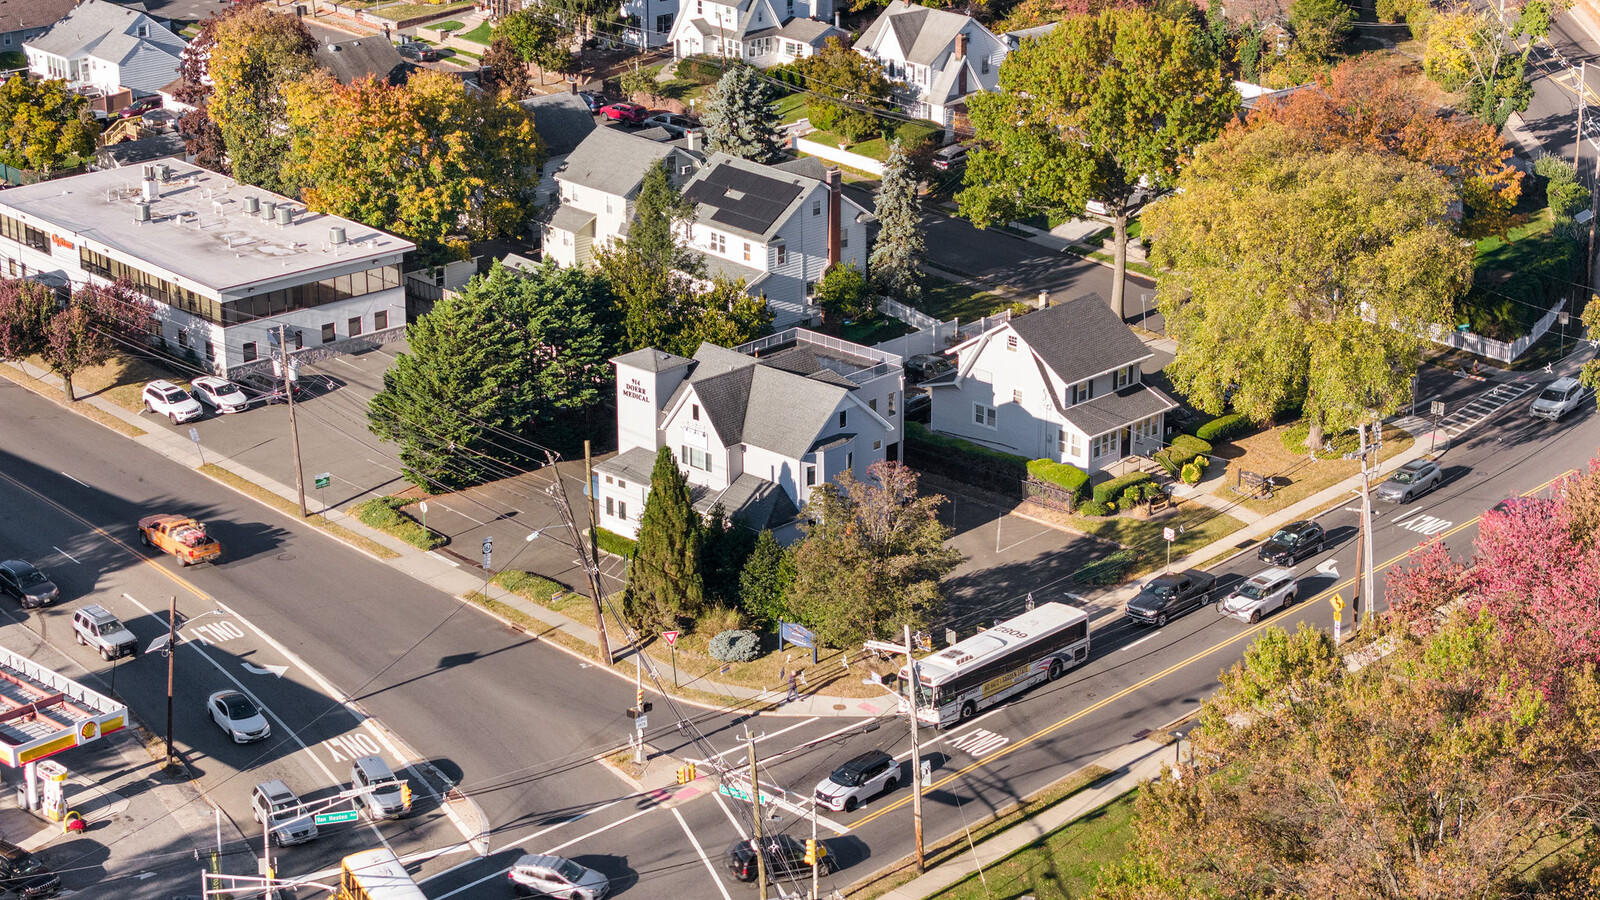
755 816
1577 148
294 433
638 692
591 562
593 501
172 654
1362 611
816 860
916 750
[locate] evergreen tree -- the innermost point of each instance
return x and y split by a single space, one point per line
724 548
741 118
649 272
664 583
764 581
897 256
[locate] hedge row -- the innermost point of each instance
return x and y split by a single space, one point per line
916 431
1066 476
383 513
611 542
1108 492
1183 448
1223 428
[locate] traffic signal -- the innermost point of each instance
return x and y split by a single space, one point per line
405 794
686 773
638 699
811 852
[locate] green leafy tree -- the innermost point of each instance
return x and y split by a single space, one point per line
724 314
1086 111
764 581
94 325
26 307
1339 312
649 271
741 117
1565 195
848 91
665 585
254 55
896 261
539 38
1320 26
1474 51
507 72
464 380
425 160
843 294
872 557
43 126
1590 374
638 82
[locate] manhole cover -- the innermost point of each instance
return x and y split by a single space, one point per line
286 556
838 706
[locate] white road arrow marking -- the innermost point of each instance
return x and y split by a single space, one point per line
1327 568
265 670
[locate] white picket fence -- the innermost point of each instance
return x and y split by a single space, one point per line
835 154
931 336
1489 348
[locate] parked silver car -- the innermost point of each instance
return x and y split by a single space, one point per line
1265 592
1410 481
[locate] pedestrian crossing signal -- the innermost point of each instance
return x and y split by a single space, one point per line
686 773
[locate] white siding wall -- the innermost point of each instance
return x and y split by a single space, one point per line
674 436
640 394
149 70
621 504
783 471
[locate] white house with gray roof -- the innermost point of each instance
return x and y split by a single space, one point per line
763 33
224 264
755 428
598 183
106 47
562 121
1062 383
780 228
933 58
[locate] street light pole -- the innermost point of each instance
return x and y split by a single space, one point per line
294 433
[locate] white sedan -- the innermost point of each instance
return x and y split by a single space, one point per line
220 394
238 717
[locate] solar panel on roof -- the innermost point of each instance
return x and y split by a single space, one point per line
756 204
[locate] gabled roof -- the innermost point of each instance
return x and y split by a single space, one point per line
26 15
369 57
612 161
106 31
571 219
562 121
755 502
635 465
1109 412
751 199
751 401
1079 339
921 32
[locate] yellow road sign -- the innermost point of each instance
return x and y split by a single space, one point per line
1338 603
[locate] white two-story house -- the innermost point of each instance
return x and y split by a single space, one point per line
762 33
934 58
107 47
755 429
1062 383
780 228
597 184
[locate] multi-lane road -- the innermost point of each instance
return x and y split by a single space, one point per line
352 657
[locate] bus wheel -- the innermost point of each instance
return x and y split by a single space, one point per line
967 711
1056 669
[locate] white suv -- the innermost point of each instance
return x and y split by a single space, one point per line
872 773
1262 593
171 401
1558 398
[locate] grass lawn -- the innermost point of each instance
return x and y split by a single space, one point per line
792 108
415 10
1265 454
452 25
1065 864
909 134
455 51
479 35
121 380
1519 253
875 330
945 300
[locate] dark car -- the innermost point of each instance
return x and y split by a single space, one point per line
1294 542
141 106
1171 594
417 51
23 875
626 113
24 581
592 100
269 388
785 855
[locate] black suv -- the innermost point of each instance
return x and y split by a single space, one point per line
22 874
785 856
1294 542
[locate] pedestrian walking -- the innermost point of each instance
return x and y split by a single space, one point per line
794 690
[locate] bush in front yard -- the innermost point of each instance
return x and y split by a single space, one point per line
1066 476
383 513
1109 492
1183 448
1223 428
735 646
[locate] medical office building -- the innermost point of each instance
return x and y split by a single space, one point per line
224 263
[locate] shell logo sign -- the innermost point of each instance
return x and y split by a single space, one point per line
89 731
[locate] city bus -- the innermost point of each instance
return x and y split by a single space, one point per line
376 875
998 663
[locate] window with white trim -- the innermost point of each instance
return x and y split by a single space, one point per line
1124 376
811 475
719 243
1081 392
1103 445
891 403
1016 396
782 251
983 415
695 458
877 445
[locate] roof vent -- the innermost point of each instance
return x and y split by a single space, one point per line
336 235
151 190
285 215
141 211
252 205
268 208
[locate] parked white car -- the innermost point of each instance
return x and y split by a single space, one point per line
220 394
1264 592
1558 398
171 401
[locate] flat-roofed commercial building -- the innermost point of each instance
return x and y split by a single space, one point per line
225 263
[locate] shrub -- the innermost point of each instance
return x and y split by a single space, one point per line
1191 473
1108 492
1184 447
719 620
383 513
1223 428
611 542
916 431
735 646
1094 508
1063 475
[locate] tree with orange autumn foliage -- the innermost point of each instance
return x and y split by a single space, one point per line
425 160
1368 104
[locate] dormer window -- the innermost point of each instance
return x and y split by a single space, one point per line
1080 392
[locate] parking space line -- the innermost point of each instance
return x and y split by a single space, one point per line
737 825
551 852
703 857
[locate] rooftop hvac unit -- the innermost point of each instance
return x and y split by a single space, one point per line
336 235
163 172
151 190
141 211
267 209
147 171
285 215
252 205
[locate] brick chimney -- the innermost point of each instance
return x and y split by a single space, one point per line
835 197
961 58
961 45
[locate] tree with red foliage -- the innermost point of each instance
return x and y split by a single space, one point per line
96 323
1415 593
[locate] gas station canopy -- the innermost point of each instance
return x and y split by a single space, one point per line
43 712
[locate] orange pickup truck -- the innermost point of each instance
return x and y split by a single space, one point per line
181 536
